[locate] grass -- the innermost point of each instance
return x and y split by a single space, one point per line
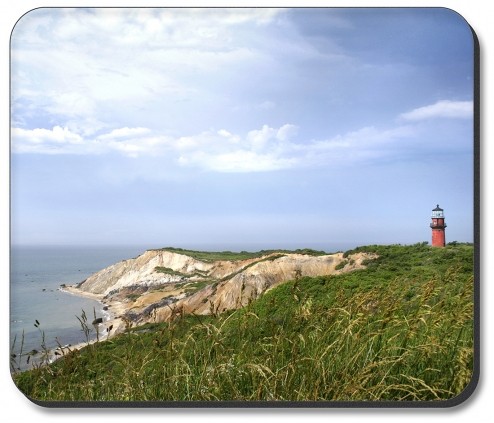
192 287
400 330
211 256
169 271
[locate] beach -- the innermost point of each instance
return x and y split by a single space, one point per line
112 312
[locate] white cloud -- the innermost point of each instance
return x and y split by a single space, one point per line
117 64
224 133
45 141
441 109
228 135
70 103
286 132
124 133
136 147
258 138
239 161
264 149
58 140
222 151
258 150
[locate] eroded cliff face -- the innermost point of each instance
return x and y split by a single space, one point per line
142 271
160 284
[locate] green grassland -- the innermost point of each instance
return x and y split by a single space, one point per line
399 330
211 256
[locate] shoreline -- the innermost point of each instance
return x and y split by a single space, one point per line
113 312
110 312
111 318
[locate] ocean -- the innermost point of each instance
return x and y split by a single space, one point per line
37 273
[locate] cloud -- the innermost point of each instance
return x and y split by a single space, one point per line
259 150
79 64
240 161
286 132
441 109
124 133
45 141
365 145
259 137
58 140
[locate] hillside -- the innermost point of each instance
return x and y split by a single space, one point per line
400 329
160 283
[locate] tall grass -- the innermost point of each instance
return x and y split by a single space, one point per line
402 338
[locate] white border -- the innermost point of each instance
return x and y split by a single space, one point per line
479 408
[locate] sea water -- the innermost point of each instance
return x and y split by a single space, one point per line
41 313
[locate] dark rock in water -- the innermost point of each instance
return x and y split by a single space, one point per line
97 321
80 283
44 289
105 308
63 285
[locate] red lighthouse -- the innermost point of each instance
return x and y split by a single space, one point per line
438 226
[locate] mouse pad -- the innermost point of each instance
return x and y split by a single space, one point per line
244 207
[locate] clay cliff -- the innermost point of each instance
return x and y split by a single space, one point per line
160 284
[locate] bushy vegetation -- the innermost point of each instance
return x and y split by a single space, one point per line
211 256
399 330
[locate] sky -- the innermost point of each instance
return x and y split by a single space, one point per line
268 128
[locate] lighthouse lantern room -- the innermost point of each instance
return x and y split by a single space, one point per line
438 227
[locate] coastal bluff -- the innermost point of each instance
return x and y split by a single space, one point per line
163 283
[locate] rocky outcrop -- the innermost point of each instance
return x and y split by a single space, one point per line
142 271
160 284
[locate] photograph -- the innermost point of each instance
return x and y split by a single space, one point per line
241 207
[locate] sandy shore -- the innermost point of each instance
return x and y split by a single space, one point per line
112 317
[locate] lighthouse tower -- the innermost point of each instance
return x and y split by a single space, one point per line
438 226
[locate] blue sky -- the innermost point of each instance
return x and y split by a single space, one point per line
269 127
